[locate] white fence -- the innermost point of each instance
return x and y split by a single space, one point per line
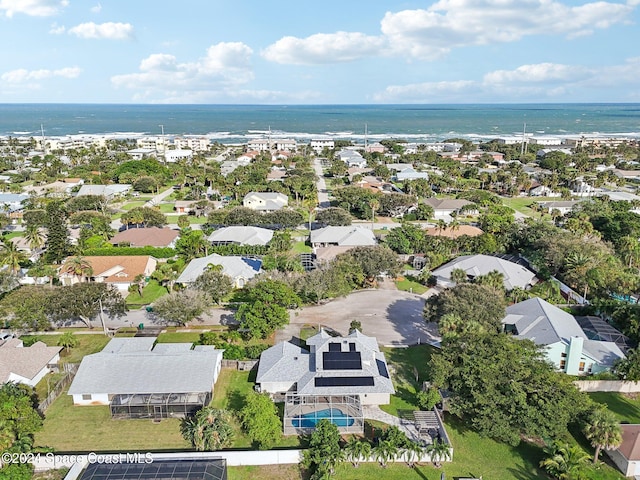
619 386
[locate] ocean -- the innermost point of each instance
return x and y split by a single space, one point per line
240 123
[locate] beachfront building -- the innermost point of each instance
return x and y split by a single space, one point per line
567 346
173 156
333 379
319 144
196 144
140 380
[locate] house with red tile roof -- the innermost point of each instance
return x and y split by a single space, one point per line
119 270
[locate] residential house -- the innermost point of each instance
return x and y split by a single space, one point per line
543 191
265 201
146 237
352 158
567 345
173 156
410 174
375 147
627 456
319 144
26 365
336 372
185 207
11 202
239 269
564 206
444 207
514 275
142 153
240 235
344 236
140 380
109 191
119 271
59 188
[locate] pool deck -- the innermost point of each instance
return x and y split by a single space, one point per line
373 412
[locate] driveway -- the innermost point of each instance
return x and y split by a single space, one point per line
393 317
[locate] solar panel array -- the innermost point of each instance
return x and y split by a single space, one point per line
341 361
214 469
344 382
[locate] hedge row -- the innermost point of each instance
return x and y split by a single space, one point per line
157 252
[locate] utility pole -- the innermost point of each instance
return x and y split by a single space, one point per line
164 147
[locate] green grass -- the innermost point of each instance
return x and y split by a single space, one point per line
301 247
9 236
405 364
407 285
626 409
150 293
523 204
167 208
179 337
229 393
69 428
131 205
87 344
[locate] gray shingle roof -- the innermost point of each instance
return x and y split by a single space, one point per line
475 265
344 236
242 235
287 363
124 368
26 362
546 324
234 267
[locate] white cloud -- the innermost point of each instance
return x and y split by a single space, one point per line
34 8
449 24
108 30
162 77
323 48
96 8
537 73
22 75
536 82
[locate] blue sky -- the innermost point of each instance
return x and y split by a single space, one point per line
330 52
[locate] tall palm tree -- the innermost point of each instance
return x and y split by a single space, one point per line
357 450
78 266
603 430
35 236
412 453
439 451
11 256
385 451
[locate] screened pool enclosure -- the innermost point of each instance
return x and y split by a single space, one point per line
158 405
303 412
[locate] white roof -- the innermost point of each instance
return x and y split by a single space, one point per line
126 367
475 265
344 236
235 267
242 235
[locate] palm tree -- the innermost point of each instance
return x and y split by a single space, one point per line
139 281
441 226
375 205
412 453
68 340
208 430
356 450
459 276
78 266
35 236
564 461
439 451
603 430
11 256
385 451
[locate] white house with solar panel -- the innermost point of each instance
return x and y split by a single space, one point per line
333 380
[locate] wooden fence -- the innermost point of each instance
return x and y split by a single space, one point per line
70 370
242 365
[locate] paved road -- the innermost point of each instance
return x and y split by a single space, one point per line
323 194
392 316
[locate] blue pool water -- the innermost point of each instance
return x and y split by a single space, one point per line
334 415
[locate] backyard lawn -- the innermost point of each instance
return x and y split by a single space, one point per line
523 204
626 408
69 428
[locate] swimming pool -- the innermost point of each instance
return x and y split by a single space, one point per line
334 415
